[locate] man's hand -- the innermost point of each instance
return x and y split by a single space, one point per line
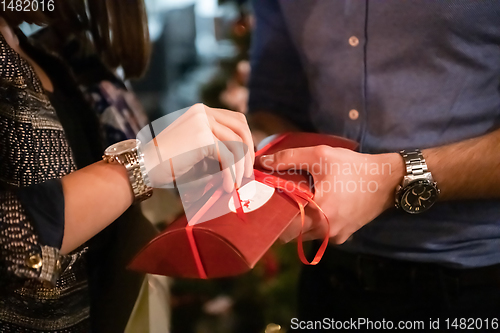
351 188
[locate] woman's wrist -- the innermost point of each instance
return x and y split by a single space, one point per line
151 162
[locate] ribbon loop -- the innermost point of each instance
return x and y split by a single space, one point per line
294 194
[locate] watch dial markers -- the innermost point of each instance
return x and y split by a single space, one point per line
419 197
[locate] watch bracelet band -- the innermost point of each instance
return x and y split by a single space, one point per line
415 162
142 166
138 178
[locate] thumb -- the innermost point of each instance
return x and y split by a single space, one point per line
287 159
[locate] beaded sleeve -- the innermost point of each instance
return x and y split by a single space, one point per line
33 150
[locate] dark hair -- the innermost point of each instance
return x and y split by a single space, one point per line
117 29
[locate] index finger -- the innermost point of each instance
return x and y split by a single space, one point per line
237 123
296 158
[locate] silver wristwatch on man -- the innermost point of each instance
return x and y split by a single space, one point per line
418 191
128 154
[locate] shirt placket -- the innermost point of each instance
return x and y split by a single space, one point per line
355 13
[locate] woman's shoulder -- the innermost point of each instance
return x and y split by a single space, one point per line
15 72
21 92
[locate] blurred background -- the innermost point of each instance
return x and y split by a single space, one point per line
200 54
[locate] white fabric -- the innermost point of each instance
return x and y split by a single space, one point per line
151 313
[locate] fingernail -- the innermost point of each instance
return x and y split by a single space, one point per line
266 159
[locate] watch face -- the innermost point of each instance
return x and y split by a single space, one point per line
122 147
418 196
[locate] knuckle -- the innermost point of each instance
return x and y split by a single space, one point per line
340 239
198 107
198 115
285 155
241 117
335 240
321 151
210 118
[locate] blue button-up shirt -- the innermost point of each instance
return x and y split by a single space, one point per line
392 75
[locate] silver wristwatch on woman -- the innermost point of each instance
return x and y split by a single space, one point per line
128 154
419 191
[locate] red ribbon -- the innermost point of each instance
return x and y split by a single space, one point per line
199 214
295 193
274 142
196 254
236 195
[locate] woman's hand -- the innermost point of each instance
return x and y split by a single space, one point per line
199 133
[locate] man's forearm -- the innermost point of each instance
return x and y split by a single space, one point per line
468 169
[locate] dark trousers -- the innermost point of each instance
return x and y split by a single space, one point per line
345 287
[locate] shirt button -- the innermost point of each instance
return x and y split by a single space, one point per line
354 41
354 114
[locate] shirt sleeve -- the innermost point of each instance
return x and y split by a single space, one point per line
23 256
278 83
31 217
44 204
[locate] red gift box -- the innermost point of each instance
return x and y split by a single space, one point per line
233 243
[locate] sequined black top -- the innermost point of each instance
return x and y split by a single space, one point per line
44 136
40 290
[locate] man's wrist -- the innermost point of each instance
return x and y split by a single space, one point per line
431 161
394 163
